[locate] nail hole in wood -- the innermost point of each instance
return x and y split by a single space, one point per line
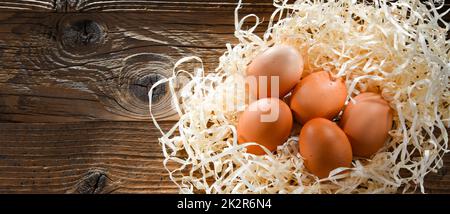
142 86
82 35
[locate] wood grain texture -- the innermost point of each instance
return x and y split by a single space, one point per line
85 157
99 157
132 5
129 5
183 5
73 81
77 67
70 67
28 5
60 69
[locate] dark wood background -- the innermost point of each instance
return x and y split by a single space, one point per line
73 81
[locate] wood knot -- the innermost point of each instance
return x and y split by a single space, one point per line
140 88
138 75
82 35
66 5
92 183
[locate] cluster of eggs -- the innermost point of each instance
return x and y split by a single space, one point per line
316 101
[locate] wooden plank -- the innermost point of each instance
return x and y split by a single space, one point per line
182 5
76 67
129 5
99 157
151 5
89 66
136 5
252 6
28 5
87 157
439 182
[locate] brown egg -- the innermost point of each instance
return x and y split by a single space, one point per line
318 95
324 147
282 61
367 123
267 121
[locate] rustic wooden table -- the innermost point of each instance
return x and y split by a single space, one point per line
73 81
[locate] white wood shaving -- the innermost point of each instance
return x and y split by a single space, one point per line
399 47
